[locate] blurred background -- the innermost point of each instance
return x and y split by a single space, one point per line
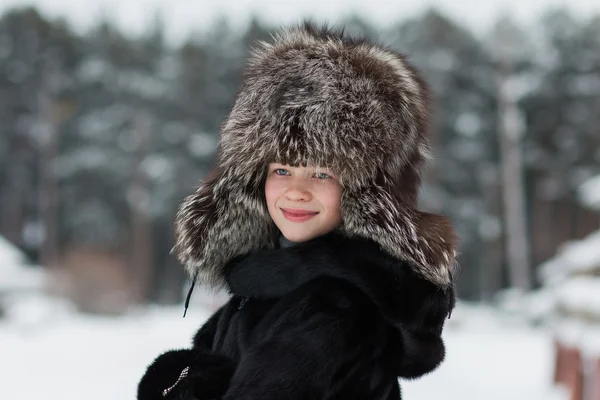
109 116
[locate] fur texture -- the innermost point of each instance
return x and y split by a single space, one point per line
331 318
315 97
185 375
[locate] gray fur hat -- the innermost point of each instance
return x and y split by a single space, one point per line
316 97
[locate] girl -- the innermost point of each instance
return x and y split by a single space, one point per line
339 284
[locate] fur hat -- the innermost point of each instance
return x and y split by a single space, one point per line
316 97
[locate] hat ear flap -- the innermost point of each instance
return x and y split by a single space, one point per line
426 241
223 219
438 244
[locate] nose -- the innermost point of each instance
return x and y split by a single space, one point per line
298 192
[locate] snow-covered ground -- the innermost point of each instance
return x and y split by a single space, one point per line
15 274
59 354
490 356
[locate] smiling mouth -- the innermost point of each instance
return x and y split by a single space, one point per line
297 215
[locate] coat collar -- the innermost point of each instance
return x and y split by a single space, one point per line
393 285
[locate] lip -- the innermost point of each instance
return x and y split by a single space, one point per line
294 215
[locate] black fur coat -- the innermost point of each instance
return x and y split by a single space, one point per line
331 318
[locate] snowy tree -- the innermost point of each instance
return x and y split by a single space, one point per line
39 56
562 136
104 134
508 49
462 181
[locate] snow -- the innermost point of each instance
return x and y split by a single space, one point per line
15 274
575 318
572 287
468 124
574 258
94 70
144 85
9 254
490 356
70 356
537 306
589 192
579 334
202 144
580 296
83 357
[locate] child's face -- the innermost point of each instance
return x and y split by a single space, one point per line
304 202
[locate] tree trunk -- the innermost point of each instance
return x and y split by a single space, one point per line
13 215
141 224
517 240
48 195
492 258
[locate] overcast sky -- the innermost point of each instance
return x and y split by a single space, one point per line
182 16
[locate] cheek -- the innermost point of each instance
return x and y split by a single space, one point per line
272 191
332 198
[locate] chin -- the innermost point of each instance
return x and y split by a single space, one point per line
297 237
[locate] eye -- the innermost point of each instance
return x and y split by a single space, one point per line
281 171
322 175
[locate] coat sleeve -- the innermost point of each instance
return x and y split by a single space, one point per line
196 373
303 343
418 346
415 307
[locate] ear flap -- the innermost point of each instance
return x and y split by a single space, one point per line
427 241
223 219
